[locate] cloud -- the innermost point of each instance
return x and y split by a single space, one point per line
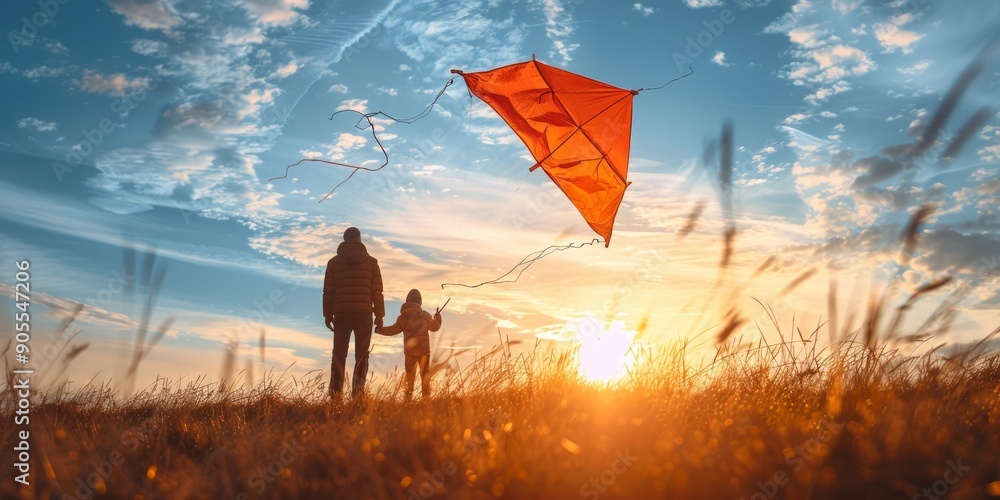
820 56
277 12
338 88
36 73
916 69
240 35
114 84
147 47
360 105
345 142
429 170
807 36
287 70
796 118
990 153
846 6
559 28
444 35
837 61
404 67
57 48
824 93
700 4
62 308
803 142
891 36
720 59
148 15
38 125
386 91
645 11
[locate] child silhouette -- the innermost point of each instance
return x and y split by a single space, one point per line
415 323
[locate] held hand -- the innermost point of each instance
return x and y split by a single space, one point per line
437 316
378 322
378 330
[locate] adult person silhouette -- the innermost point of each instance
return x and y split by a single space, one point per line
352 292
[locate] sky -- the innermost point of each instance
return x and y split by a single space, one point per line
157 126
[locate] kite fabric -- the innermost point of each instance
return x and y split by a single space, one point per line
577 129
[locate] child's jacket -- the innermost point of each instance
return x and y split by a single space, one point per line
415 323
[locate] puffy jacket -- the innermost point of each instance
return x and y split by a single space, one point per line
415 323
353 282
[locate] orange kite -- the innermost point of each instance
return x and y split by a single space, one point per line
577 129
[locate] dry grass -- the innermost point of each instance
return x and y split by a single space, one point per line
853 419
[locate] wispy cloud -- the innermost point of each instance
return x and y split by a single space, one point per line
146 47
277 12
643 9
37 125
824 93
559 28
115 84
445 35
149 15
700 4
796 118
916 69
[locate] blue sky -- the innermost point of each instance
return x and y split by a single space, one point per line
157 124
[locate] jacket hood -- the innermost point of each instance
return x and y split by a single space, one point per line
410 310
414 296
352 251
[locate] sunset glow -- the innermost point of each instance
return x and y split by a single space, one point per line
604 354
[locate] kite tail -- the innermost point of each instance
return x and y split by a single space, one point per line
367 117
526 262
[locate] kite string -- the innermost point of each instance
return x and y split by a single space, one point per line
409 120
689 73
367 117
527 261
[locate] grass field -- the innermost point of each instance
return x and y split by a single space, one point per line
855 420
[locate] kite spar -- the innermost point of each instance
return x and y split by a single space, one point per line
578 130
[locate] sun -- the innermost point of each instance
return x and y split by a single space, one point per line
604 354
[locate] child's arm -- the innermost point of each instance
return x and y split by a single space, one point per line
434 322
392 329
